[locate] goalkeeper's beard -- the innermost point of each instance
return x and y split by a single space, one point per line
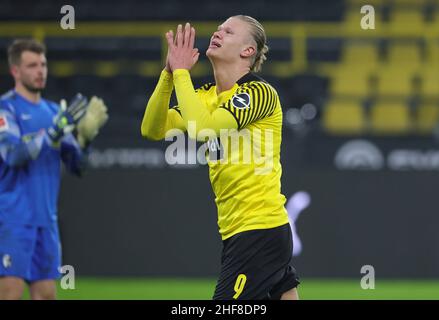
34 89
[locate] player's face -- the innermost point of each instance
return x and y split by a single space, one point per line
230 41
32 71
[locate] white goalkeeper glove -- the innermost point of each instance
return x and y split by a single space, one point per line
95 117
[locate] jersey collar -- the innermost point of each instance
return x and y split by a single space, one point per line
249 77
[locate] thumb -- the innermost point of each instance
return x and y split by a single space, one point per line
63 105
195 58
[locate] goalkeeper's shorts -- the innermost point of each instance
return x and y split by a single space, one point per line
257 265
29 252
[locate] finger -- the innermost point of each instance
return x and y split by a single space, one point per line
192 38
195 58
170 38
78 104
179 36
63 104
174 38
187 34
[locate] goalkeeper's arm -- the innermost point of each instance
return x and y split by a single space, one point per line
16 150
95 117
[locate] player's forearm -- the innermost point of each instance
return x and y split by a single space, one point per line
16 151
193 110
73 155
155 118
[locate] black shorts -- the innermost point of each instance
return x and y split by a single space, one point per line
257 265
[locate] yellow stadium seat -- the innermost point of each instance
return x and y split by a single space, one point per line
435 21
430 83
410 19
344 118
427 118
348 81
395 82
390 118
360 55
407 55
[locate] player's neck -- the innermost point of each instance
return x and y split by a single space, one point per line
226 75
33 97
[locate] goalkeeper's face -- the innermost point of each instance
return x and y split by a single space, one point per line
31 72
232 41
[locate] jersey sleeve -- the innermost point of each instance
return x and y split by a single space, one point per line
175 116
159 120
252 101
193 109
16 150
72 155
200 92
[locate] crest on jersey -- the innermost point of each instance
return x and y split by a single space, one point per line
241 100
3 123
7 261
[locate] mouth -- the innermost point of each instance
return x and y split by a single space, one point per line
39 82
214 44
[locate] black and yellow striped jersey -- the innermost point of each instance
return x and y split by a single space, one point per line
244 156
248 193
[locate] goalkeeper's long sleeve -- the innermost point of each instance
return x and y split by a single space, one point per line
17 150
73 156
193 110
158 118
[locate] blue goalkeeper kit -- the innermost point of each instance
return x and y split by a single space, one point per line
30 172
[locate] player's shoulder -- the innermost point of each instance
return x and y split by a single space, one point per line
7 100
9 96
253 83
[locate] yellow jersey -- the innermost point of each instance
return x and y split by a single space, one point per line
244 156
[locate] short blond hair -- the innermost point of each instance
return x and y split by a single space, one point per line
258 34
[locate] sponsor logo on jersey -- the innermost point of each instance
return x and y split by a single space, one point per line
3 123
7 261
241 100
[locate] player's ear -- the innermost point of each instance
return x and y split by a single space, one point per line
14 71
248 52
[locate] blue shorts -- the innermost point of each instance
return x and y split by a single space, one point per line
30 253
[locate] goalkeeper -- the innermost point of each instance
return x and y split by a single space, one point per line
35 135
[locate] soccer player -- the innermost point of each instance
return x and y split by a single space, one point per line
253 223
35 135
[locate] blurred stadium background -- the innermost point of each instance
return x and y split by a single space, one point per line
361 111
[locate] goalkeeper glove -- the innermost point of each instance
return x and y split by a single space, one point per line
94 119
67 118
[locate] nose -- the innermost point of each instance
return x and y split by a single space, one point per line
42 69
217 34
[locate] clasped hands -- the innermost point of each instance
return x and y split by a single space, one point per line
181 51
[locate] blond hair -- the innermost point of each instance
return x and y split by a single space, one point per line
258 34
